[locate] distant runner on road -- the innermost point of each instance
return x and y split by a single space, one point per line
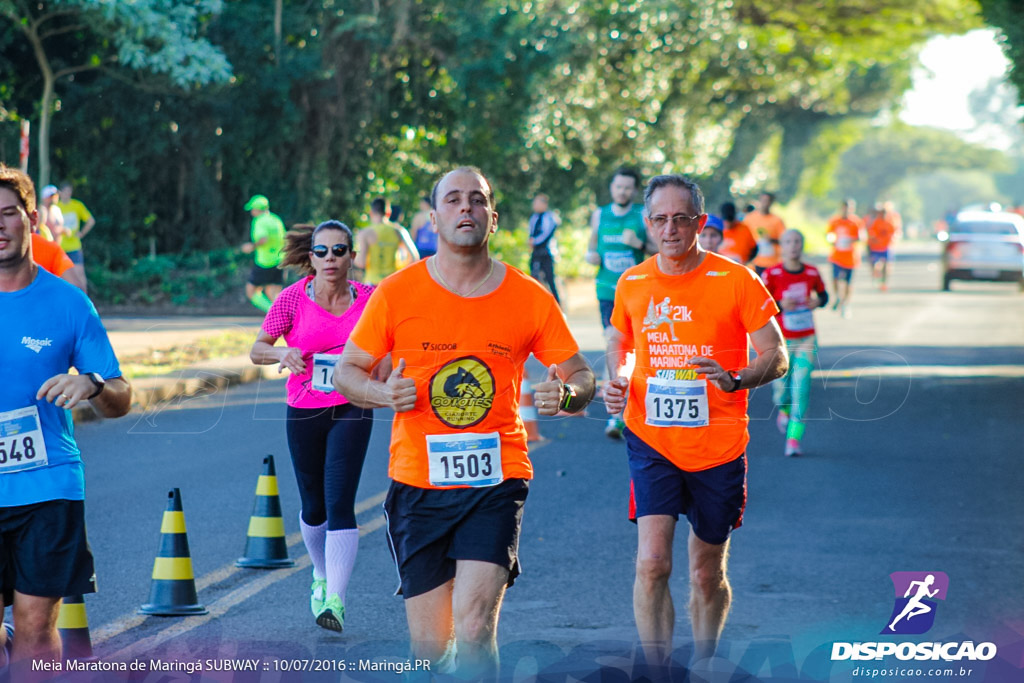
618 241
798 289
267 240
845 232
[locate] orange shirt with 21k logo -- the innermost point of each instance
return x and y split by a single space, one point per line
669 319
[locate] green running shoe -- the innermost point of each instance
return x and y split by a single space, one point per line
332 617
318 593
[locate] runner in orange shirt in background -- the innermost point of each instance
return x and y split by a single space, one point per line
768 228
738 241
881 232
458 327
691 317
51 258
844 232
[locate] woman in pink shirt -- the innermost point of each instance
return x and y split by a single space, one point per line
327 435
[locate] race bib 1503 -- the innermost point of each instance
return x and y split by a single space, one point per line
465 459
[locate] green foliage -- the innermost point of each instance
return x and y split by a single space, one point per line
1008 16
355 98
871 169
170 279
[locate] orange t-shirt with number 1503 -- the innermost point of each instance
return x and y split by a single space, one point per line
668 319
466 356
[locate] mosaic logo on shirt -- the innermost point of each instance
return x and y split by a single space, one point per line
916 593
36 345
462 392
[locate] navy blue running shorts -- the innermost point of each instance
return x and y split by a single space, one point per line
430 529
44 551
840 273
713 500
606 308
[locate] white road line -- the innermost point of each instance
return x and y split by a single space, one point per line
130 621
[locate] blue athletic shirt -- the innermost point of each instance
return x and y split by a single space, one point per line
45 329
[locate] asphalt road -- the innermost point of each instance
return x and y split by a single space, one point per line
910 465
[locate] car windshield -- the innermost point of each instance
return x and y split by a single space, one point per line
985 228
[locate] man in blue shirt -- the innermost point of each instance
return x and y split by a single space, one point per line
48 327
542 239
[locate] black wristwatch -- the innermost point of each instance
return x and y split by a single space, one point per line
737 380
97 379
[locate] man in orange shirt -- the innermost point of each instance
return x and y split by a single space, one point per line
51 258
768 228
738 241
459 461
844 233
688 314
881 231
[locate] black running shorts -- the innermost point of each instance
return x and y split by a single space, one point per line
260 276
44 551
430 529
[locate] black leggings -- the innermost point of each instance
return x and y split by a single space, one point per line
328 446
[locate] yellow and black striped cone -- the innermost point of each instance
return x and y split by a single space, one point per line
73 625
173 591
265 545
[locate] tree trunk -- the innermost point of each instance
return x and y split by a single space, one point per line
45 103
278 20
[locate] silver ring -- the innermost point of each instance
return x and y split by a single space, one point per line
65 397
540 404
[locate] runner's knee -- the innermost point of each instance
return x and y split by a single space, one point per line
653 569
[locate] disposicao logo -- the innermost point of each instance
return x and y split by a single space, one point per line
916 595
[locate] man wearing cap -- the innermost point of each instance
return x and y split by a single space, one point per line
265 278
51 218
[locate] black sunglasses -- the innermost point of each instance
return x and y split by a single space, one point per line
339 250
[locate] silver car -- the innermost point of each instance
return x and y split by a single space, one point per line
984 245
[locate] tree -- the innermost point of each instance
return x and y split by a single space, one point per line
872 168
1008 16
157 36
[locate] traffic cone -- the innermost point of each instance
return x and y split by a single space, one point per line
265 545
73 624
528 412
173 591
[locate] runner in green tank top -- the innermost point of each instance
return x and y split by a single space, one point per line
618 240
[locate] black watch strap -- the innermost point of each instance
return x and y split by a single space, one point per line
737 380
97 379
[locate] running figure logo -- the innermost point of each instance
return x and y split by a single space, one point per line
657 315
914 610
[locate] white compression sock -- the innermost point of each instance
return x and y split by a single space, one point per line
315 540
342 546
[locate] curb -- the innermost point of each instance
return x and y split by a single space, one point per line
203 378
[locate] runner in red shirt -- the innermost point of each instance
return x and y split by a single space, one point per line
798 289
